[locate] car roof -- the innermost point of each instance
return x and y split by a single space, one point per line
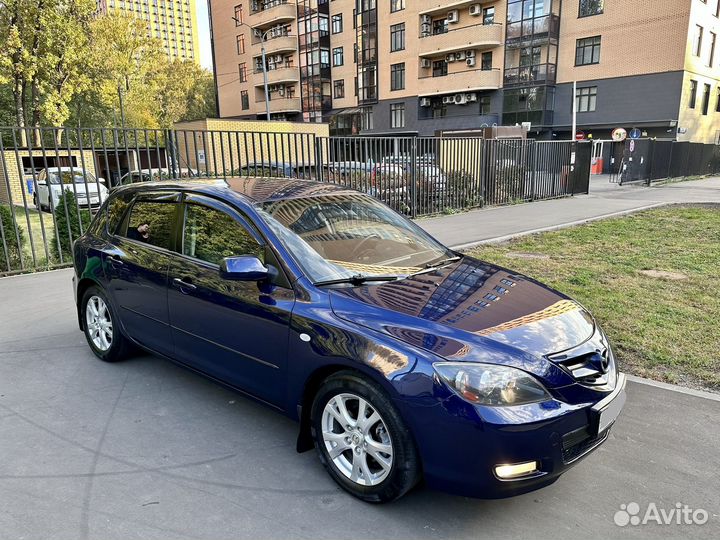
255 189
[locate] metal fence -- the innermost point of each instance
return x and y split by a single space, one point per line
645 160
52 179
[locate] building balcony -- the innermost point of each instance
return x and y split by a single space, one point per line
478 36
530 75
275 45
471 80
281 105
272 15
434 7
278 76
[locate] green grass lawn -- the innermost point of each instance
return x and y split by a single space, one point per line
665 326
33 216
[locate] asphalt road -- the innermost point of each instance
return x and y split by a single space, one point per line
145 449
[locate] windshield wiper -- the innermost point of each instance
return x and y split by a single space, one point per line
441 262
429 267
357 279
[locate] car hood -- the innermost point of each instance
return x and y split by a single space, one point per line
471 311
92 188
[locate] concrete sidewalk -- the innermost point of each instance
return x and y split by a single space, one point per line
605 200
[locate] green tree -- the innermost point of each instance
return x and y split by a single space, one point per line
68 222
14 242
45 43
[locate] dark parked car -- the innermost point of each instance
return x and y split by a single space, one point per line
400 358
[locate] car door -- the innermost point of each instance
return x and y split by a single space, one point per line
43 189
137 265
234 331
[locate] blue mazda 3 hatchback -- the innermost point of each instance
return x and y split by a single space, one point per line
401 359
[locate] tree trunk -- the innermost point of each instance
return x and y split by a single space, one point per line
18 95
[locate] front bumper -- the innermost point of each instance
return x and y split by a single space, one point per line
461 444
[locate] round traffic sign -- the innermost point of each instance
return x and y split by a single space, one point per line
580 135
618 134
635 133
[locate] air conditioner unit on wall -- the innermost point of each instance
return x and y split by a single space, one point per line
471 97
257 33
453 16
470 53
460 99
475 10
470 62
426 19
425 102
460 56
425 63
448 99
425 28
450 57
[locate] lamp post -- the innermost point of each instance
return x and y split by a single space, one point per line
263 38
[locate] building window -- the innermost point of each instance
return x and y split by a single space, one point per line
489 15
706 99
587 51
338 57
586 99
397 5
339 89
590 7
699 30
693 94
244 100
238 16
440 68
713 40
397 76
241 44
397 37
439 26
366 118
397 115
337 24
242 70
484 105
486 61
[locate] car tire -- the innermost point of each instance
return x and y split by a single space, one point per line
101 326
388 463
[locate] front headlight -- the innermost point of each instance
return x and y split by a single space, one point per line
490 384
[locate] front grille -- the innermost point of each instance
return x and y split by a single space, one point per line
593 367
579 442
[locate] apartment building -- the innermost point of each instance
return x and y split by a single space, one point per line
173 22
426 66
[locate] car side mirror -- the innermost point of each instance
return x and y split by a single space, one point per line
102 181
244 268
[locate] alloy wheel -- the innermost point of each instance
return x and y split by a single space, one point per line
99 323
357 439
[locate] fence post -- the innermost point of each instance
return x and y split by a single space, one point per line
413 185
534 147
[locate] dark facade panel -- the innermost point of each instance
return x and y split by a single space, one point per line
459 117
638 100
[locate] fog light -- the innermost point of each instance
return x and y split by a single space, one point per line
514 471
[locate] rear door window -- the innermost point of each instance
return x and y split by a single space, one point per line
152 222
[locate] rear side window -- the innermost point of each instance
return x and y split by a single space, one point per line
151 222
211 235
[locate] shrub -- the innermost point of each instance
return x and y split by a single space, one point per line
67 221
14 247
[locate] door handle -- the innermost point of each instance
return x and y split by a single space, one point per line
182 284
115 260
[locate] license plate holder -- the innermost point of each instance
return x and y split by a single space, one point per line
605 412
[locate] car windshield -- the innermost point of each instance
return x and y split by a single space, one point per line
349 235
77 176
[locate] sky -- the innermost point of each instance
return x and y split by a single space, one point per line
204 32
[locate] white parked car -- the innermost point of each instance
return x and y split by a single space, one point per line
51 183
